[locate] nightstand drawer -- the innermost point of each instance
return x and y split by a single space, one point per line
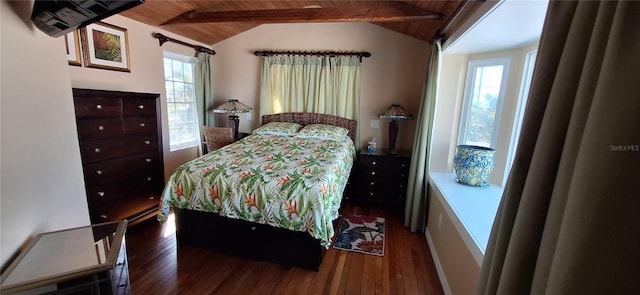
382 192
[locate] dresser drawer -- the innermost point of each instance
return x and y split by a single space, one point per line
99 129
103 171
147 184
106 149
96 107
140 125
138 107
129 208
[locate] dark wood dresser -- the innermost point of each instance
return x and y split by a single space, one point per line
382 177
121 148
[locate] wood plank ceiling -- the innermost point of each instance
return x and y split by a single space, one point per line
210 22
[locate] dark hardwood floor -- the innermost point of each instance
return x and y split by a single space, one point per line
156 267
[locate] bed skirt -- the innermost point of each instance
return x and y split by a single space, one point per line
248 240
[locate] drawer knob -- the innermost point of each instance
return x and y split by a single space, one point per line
99 172
403 165
100 127
141 106
103 216
151 197
373 163
99 106
149 178
373 173
402 175
371 194
148 160
142 125
372 183
147 142
97 150
101 194
253 228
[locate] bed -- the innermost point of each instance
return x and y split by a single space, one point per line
267 197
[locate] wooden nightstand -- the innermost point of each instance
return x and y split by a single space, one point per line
382 177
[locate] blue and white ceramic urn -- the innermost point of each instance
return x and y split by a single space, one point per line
473 164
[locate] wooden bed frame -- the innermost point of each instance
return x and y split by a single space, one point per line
253 240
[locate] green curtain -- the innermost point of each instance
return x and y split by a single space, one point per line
568 222
203 78
204 89
415 206
315 84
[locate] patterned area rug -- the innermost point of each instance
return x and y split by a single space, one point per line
364 234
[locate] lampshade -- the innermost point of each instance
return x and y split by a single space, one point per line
395 112
233 106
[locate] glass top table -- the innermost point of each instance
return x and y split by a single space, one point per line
60 256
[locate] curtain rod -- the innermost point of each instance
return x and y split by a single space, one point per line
441 33
359 54
162 39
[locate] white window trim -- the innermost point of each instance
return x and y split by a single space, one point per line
523 97
466 104
180 57
196 143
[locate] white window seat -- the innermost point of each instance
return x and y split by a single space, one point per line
472 209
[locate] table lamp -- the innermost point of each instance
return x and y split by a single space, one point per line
394 113
234 107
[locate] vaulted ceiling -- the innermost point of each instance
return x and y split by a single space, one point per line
212 21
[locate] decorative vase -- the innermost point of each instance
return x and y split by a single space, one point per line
473 164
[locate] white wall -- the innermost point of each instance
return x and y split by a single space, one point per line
147 75
395 73
41 186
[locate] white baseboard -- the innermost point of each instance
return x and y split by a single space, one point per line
436 261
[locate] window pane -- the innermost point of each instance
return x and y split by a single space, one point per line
168 73
170 92
481 123
188 72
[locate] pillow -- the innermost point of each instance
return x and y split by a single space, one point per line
322 131
278 128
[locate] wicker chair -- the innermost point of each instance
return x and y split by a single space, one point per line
217 137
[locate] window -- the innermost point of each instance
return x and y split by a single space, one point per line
486 81
181 101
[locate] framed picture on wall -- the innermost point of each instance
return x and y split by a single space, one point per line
72 42
105 46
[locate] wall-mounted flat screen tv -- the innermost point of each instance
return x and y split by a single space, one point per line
58 17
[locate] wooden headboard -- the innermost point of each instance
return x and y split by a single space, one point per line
314 118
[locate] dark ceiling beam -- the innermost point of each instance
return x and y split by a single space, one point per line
347 14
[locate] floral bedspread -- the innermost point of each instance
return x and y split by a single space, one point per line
283 181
